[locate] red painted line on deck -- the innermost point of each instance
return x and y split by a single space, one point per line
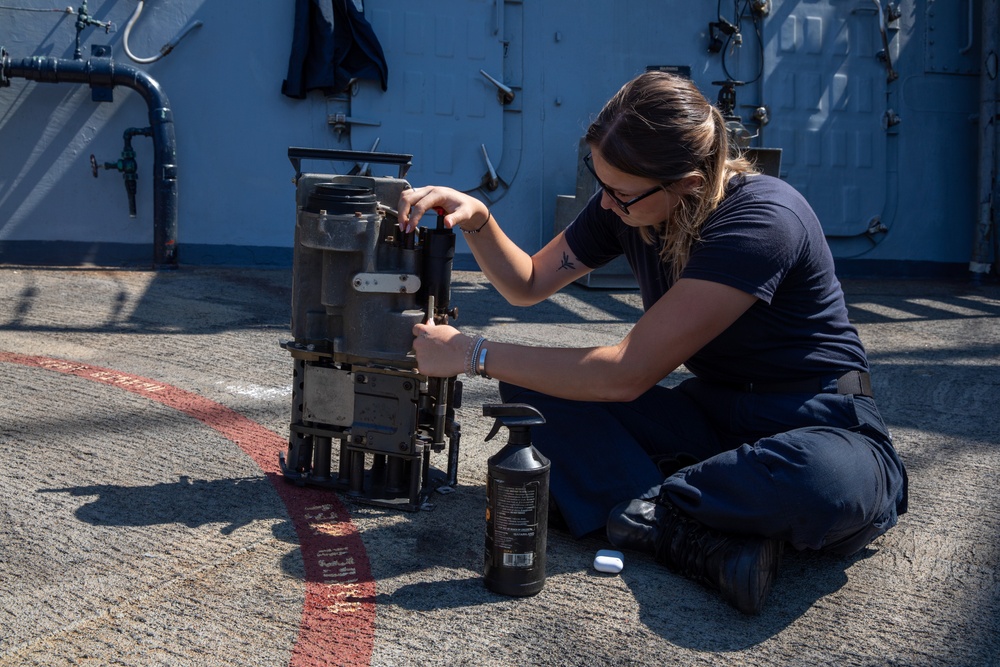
338 616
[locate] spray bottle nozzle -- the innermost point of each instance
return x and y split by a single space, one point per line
518 417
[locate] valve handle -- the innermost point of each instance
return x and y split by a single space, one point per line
505 94
440 217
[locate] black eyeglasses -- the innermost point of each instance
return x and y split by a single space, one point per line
623 205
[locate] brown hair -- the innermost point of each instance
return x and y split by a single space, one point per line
660 126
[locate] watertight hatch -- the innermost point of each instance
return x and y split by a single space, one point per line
443 105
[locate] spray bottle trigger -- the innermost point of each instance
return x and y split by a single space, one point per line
512 415
493 431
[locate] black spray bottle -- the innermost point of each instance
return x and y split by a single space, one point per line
517 504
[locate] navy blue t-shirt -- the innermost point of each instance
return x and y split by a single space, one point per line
765 240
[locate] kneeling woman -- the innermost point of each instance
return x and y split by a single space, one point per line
775 440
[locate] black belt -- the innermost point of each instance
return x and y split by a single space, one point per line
854 383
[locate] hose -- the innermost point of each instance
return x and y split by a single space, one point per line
164 50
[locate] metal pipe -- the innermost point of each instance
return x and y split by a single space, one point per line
103 72
989 112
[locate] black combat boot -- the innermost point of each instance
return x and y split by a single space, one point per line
741 568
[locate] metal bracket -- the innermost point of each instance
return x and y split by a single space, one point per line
101 93
386 283
296 155
341 122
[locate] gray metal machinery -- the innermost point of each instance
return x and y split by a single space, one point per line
364 421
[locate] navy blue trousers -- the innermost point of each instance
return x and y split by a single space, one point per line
816 471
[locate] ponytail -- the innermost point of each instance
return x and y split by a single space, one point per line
660 126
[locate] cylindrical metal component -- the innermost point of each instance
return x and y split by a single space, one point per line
378 471
321 458
398 474
357 477
415 479
438 256
344 461
342 199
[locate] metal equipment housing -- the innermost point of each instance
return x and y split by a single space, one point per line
364 420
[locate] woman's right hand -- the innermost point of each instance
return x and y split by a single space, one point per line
440 349
460 209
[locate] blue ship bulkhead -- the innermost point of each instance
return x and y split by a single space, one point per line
881 113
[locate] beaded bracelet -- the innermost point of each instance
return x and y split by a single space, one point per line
480 227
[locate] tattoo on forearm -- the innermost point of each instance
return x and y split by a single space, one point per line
566 263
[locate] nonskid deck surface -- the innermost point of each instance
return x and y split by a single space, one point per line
144 520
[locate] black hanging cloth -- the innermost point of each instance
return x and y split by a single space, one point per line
332 45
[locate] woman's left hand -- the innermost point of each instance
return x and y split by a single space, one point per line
440 349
